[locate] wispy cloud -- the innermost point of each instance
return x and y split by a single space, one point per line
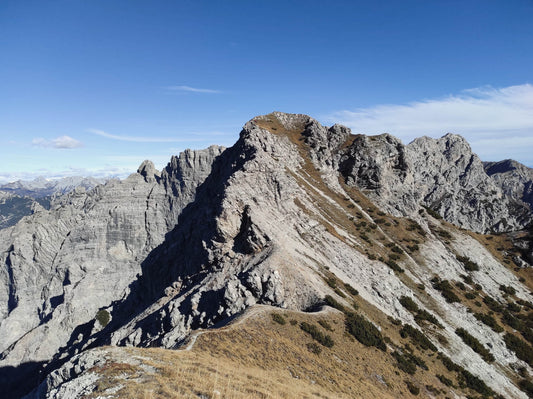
62 142
192 89
498 122
140 139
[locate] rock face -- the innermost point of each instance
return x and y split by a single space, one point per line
145 260
515 179
442 174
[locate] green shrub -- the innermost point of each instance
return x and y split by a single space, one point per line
432 212
512 321
325 324
417 337
314 348
103 317
448 363
413 248
470 295
364 331
522 350
408 303
316 334
446 381
330 301
397 249
527 387
475 345
507 289
278 318
467 279
331 281
514 307
489 321
445 289
351 289
468 264
394 266
339 293
444 234
293 322
493 305
412 388
403 363
424 315
467 379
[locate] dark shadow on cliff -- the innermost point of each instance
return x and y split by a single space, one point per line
182 256
18 381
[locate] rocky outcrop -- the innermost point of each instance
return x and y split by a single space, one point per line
515 179
442 174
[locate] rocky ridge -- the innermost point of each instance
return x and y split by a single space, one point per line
217 231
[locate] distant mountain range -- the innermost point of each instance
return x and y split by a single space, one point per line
21 198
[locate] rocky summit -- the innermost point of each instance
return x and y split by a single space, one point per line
418 256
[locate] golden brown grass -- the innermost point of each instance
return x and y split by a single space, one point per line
259 358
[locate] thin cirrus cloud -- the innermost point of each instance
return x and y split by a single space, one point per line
192 89
498 122
62 142
138 139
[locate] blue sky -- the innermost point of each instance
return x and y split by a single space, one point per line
95 87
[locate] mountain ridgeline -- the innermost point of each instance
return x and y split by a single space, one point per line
294 216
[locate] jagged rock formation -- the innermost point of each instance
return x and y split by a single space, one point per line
442 174
515 179
219 230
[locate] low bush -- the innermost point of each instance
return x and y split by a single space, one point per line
507 289
475 345
412 388
403 363
514 307
471 295
446 381
325 324
351 289
512 321
468 264
493 305
527 387
408 303
103 317
424 315
522 350
278 318
417 337
433 212
316 334
364 331
445 289
330 301
489 321
394 266
339 293
314 348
